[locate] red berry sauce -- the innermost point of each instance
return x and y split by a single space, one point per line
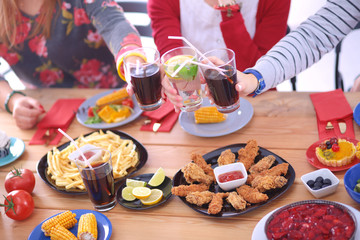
311 221
230 176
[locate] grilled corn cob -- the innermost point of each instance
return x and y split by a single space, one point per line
87 229
115 97
209 115
61 233
65 219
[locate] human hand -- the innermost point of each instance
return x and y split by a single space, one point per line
26 111
247 83
356 86
170 93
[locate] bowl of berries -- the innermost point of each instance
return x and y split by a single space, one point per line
320 183
352 182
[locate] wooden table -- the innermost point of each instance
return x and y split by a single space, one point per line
284 123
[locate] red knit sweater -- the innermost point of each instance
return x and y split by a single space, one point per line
271 24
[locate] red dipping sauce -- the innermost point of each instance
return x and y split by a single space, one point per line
311 221
230 176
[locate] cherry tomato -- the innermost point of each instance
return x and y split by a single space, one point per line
18 205
128 102
20 179
90 112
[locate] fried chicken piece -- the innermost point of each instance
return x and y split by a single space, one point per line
216 203
251 195
193 173
278 170
247 155
183 190
200 161
226 157
264 183
236 201
200 198
262 165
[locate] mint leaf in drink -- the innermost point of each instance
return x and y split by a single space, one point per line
188 72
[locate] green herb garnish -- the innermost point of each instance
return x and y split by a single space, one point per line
188 72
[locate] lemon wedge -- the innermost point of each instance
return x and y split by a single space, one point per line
126 194
173 62
135 183
141 192
158 178
155 197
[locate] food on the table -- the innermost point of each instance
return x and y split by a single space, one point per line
115 97
18 204
155 197
311 221
357 186
208 114
135 183
59 232
4 144
66 219
87 229
158 178
20 179
65 173
358 150
264 178
126 194
230 176
319 183
114 113
335 152
141 192
226 157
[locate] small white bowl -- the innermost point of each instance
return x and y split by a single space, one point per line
324 173
227 186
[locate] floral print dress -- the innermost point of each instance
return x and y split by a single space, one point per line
86 38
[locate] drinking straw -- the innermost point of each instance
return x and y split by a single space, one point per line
193 47
76 146
212 67
137 70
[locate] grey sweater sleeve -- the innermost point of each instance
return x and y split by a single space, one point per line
304 46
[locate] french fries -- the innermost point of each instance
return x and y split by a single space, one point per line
65 173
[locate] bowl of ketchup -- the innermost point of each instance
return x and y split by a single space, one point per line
230 176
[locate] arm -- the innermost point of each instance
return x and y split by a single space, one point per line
271 24
305 46
165 21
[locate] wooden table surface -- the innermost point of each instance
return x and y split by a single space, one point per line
283 122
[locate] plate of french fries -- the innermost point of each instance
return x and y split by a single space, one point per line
81 223
61 174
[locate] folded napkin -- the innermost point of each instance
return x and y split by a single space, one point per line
165 115
333 107
60 115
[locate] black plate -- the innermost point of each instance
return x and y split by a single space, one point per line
42 164
228 210
136 204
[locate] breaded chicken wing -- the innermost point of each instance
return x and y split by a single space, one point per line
251 195
183 190
236 201
264 183
262 165
193 173
247 155
226 157
200 198
278 170
216 203
200 161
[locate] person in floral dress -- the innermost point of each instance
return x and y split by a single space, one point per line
61 44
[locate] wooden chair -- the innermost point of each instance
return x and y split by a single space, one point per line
137 7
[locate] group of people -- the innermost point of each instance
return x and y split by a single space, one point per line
63 43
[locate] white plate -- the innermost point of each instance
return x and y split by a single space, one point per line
82 116
235 121
259 233
17 147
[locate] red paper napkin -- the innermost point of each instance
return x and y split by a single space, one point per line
165 115
60 115
333 107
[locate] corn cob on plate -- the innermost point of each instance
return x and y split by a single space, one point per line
104 226
82 116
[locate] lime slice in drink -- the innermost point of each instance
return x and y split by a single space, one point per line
158 178
135 183
173 63
126 194
155 197
141 192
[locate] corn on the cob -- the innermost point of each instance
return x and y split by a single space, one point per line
113 98
60 233
87 229
65 219
209 115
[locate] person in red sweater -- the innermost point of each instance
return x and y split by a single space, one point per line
248 27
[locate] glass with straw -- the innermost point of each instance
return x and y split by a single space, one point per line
181 69
142 71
